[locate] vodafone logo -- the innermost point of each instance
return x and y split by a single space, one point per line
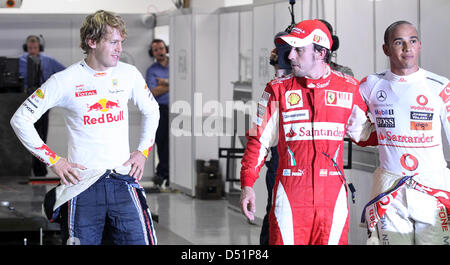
409 162
422 100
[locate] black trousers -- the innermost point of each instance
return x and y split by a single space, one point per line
162 142
272 167
39 168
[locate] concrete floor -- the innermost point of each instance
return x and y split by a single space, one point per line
185 220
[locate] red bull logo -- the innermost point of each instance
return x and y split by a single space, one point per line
48 152
103 105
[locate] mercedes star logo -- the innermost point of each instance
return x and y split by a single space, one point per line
381 95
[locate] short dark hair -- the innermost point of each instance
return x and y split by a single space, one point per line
392 27
157 41
33 38
319 48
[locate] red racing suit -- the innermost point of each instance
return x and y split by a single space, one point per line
308 120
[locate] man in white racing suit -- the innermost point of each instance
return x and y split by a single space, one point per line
410 105
99 199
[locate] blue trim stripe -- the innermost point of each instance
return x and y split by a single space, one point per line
144 217
71 216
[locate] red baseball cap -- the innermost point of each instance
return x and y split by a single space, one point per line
307 32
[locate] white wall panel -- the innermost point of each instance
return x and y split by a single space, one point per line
355 32
181 67
246 46
263 32
434 35
386 13
282 17
316 9
207 83
228 71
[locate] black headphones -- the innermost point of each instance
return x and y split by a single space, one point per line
335 38
150 50
33 37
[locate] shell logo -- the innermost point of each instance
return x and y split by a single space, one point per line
293 99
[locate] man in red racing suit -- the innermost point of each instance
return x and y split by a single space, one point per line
307 115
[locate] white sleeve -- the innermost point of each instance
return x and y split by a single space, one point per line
360 127
29 112
146 103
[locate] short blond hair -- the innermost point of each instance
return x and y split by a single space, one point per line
95 27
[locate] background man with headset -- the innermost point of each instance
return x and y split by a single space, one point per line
36 68
157 78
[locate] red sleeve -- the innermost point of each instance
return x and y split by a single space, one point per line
372 141
261 137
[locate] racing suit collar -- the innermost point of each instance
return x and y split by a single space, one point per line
322 82
94 73
419 74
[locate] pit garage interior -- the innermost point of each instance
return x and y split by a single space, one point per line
219 66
